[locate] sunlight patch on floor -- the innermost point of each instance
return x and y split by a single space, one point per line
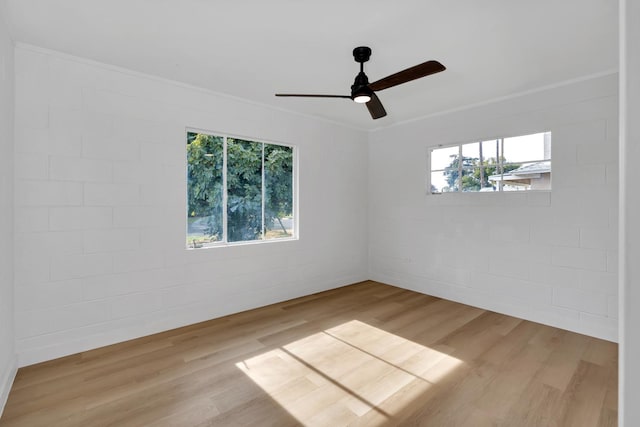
346 372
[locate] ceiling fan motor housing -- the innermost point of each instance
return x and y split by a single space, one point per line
360 85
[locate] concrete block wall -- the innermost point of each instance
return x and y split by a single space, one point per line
100 216
550 257
100 207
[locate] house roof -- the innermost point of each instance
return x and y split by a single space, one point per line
528 170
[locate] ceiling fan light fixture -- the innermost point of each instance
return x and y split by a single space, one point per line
362 95
362 99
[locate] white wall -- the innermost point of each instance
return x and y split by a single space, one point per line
548 257
100 207
629 374
7 347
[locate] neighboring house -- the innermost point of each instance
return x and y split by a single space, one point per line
530 176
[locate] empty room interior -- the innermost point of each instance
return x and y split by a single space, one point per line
200 225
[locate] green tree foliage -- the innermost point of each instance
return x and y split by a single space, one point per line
278 163
472 177
204 180
452 172
244 190
244 185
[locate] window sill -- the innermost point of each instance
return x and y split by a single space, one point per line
245 243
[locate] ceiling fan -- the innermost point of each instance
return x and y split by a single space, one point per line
363 92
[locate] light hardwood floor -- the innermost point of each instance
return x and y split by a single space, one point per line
366 355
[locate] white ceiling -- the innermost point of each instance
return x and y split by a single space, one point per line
253 49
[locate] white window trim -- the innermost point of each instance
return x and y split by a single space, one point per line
295 193
501 191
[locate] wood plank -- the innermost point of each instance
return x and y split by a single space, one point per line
582 402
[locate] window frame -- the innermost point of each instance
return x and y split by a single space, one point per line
224 242
501 164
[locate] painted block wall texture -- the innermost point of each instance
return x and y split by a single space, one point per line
7 347
550 256
100 208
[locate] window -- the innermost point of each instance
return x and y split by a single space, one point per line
503 164
238 190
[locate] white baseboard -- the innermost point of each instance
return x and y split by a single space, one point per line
6 381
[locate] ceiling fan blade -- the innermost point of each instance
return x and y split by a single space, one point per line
375 107
404 76
310 95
